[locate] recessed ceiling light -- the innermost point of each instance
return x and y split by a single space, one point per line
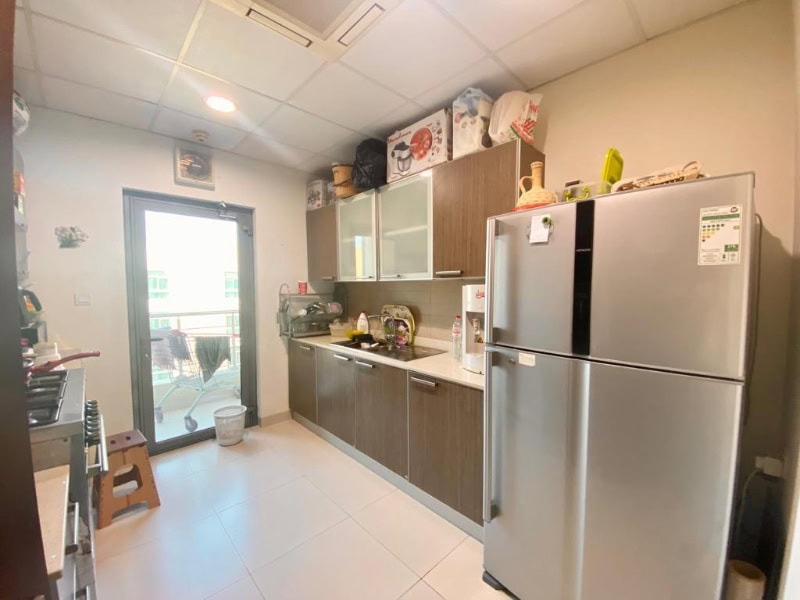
221 104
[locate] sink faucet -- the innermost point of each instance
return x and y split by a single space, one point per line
391 340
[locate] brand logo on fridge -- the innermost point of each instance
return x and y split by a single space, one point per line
480 295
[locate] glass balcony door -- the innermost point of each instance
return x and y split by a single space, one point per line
191 305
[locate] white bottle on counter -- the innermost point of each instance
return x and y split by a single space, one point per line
363 323
457 338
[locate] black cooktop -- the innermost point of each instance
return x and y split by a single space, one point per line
44 396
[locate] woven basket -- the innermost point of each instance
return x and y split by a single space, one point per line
343 181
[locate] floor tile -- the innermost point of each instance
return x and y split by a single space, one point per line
184 501
416 535
344 563
278 520
244 589
348 483
421 591
458 576
193 565
182 463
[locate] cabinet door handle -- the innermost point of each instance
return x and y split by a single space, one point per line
306 348
457 273
363 278
363 364
340 357
328 278
425 382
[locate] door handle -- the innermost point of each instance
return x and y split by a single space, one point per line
340 357
328 278
424 382
306 348
488 479
364 364
455 273
491 234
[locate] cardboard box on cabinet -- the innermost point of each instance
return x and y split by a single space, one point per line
426 143
472 111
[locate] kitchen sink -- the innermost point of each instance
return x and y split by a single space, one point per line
404 353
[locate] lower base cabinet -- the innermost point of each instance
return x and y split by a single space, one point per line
336 406
445 425
382 414
302 384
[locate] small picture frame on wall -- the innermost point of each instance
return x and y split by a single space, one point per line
194 167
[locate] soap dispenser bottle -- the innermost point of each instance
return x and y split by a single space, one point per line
363 323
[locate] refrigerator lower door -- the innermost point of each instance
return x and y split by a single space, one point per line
661 295
661 457
529 285
530 473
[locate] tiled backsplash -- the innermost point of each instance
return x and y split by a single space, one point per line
434 304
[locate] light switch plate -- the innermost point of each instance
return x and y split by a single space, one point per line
83 299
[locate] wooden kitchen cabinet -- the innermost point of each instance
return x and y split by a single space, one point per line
336 403
446 442
321 240
382 414
302 380
468 191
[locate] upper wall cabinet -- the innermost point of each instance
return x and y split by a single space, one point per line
405 215
356 237
466 192
321 233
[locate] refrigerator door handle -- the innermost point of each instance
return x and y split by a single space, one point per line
488 480
491 235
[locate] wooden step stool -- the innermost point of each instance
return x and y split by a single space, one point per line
128 449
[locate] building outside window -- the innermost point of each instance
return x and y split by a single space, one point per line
231 284
157 284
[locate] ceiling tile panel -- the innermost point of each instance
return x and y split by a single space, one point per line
179 125
412 49
658 17
25 82
344 151
87 58
256 146
96 103
408 113
189 89
593 31
500 22
345 97
297 128
317 166
157 25
22 42
486 74
239 50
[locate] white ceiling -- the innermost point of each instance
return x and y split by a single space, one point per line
150 64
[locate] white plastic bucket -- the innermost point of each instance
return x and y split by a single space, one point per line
229 424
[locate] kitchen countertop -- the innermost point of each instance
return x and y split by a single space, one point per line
52 486
442 366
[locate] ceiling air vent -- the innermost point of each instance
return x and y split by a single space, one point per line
328 28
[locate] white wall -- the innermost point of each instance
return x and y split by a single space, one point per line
790 588
75 171
720 91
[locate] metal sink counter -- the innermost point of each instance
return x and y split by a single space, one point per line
402 353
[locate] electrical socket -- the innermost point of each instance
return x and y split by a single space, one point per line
770 466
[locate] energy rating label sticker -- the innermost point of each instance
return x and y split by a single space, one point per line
720 235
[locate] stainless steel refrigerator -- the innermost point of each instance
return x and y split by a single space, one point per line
617 353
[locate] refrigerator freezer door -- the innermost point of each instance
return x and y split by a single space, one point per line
659 488
529 545
529 286
652 303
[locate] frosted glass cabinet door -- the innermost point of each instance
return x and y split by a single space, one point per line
405 211
356 234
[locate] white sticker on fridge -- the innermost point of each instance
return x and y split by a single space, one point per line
529 360
541 226
720 235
